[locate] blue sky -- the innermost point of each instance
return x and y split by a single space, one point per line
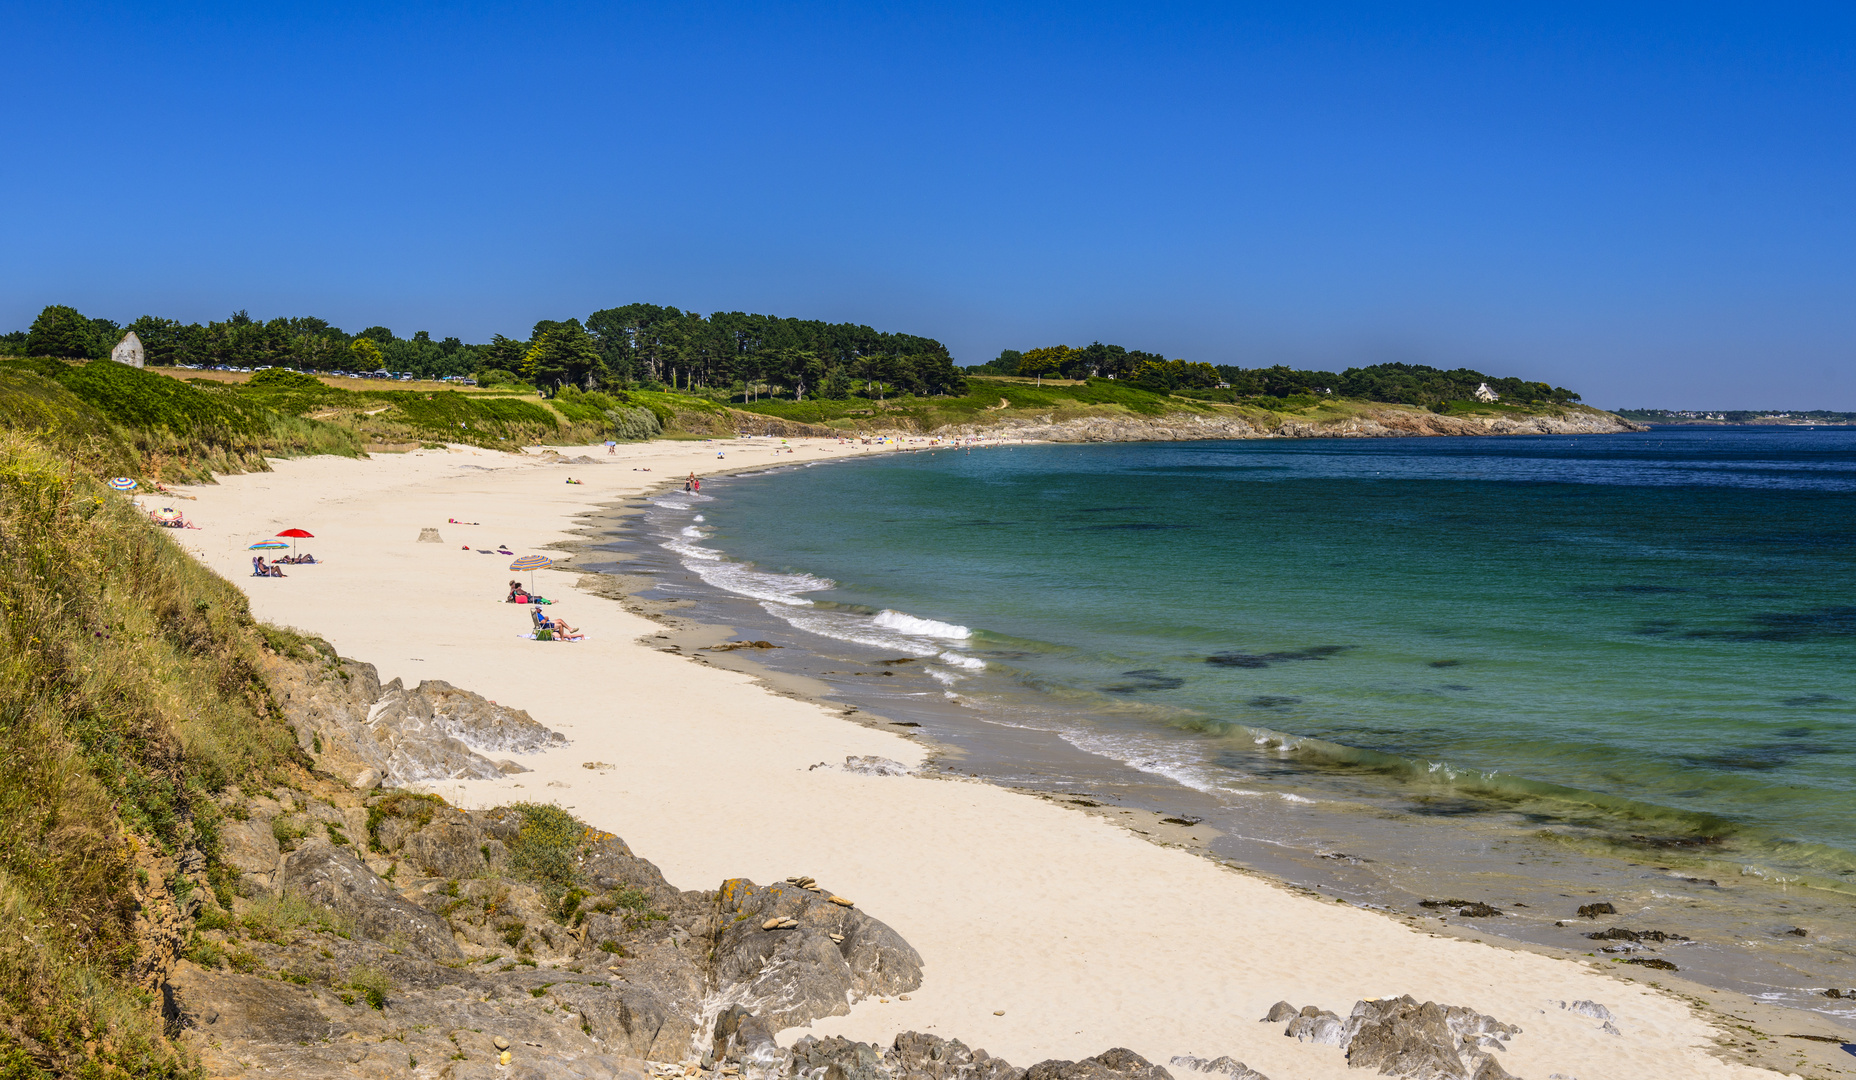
1652 205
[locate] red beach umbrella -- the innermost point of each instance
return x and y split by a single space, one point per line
293 534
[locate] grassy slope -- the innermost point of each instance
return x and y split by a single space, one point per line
121 421
1024 399
384 416
130 686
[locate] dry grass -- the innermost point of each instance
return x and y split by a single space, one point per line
129 693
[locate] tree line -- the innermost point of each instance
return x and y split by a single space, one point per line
636 345
1408 384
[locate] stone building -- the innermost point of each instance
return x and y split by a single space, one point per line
128 350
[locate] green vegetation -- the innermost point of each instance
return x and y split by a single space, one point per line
636 346
120 421
129 680
546 853
373 983
1405 384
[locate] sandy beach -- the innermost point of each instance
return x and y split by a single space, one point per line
1046 932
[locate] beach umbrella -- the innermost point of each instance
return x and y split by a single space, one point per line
123 483
531 563
267 545
294 534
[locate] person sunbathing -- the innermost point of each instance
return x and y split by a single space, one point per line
560 629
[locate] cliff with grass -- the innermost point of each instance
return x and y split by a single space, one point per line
1105 410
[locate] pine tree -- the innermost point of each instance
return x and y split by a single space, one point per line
61 331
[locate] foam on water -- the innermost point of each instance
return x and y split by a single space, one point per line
913 626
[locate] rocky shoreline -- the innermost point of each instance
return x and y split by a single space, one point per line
376 931
1387 422
1377 421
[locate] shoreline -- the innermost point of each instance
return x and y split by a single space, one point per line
1404 864
1080 936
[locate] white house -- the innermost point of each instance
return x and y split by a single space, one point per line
1484 394
128 350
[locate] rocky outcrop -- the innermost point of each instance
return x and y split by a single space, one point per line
914 1056
332 878
799 952
1220 1066
1400 1037
369 734
517 923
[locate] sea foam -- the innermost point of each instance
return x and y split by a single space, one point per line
914 626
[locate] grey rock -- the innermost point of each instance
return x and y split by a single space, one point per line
449 847
1279 1012
1590 1009
1400 1037
632 1019
1223 1066
330 876
871 765
371 734
837 1058
250 846
1610 1028
229 1006
1116 1064
915 1056
835 955
1319 1027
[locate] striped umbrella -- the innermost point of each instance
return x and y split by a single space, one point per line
531 563
123 483
267 545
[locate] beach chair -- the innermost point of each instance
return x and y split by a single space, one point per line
542 631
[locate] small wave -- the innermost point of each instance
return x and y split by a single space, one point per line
971 663
917 627
741 578
945 678
693 532
1175 764
845 626
698 517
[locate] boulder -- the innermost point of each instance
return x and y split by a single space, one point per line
836 1058
1222 1066
330 876
1400 1037
449 847
831 956
249 845
1116 1064
1317 1026
929 1057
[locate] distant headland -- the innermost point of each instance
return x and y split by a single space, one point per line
1732 417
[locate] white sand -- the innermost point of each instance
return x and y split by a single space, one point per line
1084 935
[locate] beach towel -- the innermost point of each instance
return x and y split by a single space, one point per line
532 637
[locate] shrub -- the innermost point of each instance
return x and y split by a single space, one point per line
373 984
546 852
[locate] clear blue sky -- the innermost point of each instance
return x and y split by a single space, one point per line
1652 205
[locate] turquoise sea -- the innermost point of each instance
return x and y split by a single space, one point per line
1633 651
